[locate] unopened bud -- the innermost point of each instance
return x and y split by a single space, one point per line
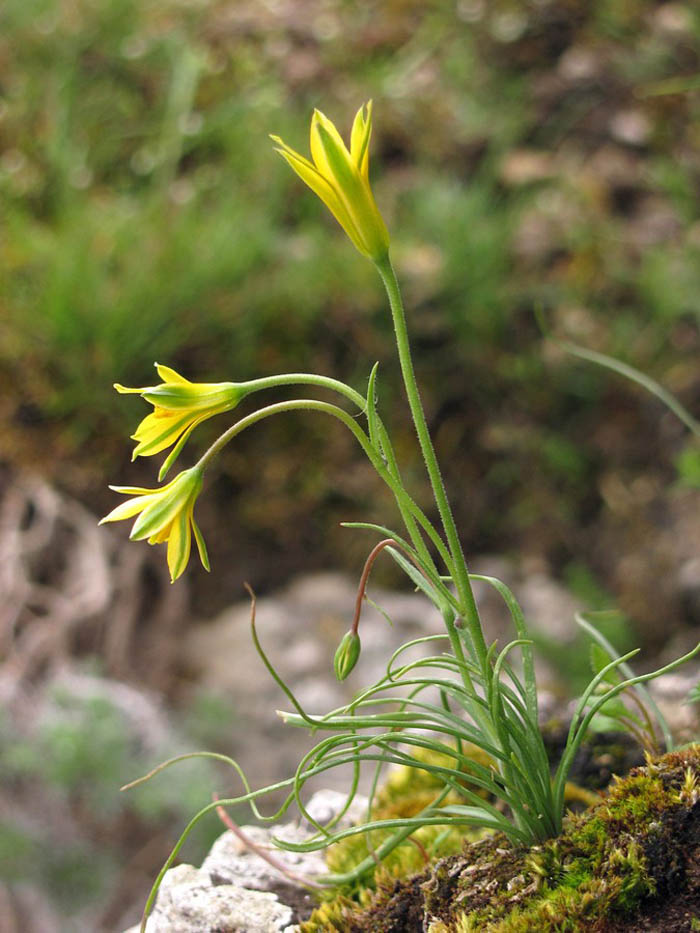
347 654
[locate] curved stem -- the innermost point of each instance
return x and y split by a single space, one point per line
326 382
312 379
471 613
447 613
306 404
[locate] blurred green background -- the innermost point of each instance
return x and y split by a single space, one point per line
528 157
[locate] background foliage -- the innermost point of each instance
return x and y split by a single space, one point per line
526 155
529 157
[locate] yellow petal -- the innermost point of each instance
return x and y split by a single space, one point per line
283 148
125 390
133 490
127 509
352 191
170 500
327 147
179 545
177 449
359 139
195 395
326 193
157 431
340 178
201 546
169 375
161 535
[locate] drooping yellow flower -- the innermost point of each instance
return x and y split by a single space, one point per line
340 178
166 514
178 407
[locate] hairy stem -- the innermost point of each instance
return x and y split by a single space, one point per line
467 602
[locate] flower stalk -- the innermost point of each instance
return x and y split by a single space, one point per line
467 603
470 694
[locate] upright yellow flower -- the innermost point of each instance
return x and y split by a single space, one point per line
166 514
178 407
341 179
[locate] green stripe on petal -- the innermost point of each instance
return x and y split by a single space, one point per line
156 432
201 546
195 396
340 178
327 147
172 499
356 196
179 544
175 452
359 139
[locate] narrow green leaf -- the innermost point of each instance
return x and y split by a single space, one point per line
372 411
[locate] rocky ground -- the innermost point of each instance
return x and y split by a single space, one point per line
71 592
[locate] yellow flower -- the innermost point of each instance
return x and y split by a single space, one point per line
166 514
178 407
341 179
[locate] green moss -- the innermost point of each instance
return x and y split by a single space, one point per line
611 860
406 792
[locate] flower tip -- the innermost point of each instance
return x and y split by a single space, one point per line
317 117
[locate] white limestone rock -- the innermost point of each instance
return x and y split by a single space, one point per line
188 902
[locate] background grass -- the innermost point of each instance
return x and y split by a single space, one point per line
529 158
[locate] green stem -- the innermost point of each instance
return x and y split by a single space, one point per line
335 385
468 604
403 500
312 379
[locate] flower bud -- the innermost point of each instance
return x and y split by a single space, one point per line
347 654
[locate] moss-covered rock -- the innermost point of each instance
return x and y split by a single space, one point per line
632 862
